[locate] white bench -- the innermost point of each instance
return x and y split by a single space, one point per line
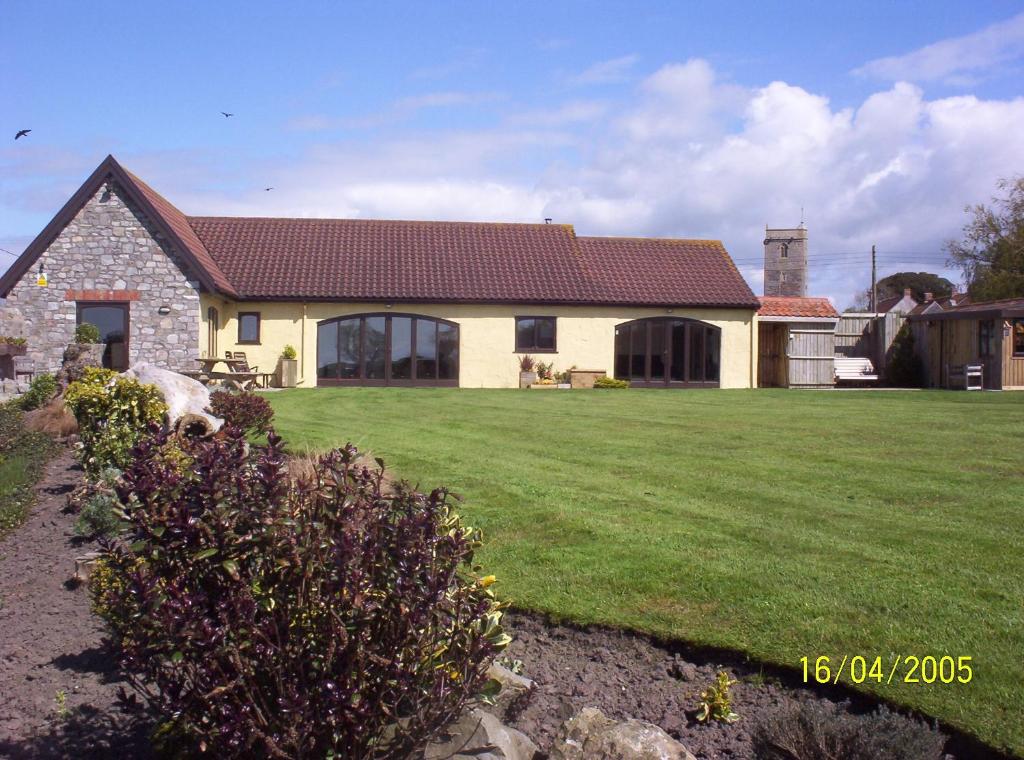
966 376
854 370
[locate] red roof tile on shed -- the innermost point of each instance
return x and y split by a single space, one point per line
793 306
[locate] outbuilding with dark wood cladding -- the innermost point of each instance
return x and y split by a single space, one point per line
989 333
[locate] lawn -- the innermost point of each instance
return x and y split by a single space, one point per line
23 456
781 523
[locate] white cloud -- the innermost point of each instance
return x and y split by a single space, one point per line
957 60
684 154
606 72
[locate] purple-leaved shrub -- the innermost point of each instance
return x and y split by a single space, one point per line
268 617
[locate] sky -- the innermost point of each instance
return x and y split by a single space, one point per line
875 123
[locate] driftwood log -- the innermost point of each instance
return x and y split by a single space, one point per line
187 400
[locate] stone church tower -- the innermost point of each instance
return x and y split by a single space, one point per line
785 262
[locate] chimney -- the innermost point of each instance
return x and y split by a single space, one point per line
907 293
928 297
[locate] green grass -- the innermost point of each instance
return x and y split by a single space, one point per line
781 523
23 456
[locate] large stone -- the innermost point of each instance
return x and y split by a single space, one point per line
187 399
590 735
514 688
478 735
78 356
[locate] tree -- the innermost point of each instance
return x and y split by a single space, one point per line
991 253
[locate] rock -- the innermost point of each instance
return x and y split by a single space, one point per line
187 399
478 735
78 356
683 670
591 735
514 688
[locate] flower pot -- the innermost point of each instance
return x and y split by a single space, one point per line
288 373
526 379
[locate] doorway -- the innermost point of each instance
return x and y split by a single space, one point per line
111 319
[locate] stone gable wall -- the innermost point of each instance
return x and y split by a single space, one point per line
110 245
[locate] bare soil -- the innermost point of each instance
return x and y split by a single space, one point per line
50 642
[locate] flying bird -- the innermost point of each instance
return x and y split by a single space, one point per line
267 189
226 114
22 133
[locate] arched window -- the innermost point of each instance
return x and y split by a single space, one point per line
387 349
784 250
662 352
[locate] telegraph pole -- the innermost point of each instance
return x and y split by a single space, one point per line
874 284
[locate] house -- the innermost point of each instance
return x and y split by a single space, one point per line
987 333
367 302
796 342
897 304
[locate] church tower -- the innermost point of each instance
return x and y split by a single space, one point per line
785 261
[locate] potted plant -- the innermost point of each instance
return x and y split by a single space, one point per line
545 376
527 376
288 368
11 346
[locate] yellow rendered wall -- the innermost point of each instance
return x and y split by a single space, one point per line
487 359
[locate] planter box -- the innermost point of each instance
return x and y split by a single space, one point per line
539 387
287 373
526 379
9 349
584 378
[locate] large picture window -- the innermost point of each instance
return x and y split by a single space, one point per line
1017 334
536 334
387 349
667 352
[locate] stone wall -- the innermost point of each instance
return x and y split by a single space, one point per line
785 275
109 248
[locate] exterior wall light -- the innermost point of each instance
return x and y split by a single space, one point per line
164 310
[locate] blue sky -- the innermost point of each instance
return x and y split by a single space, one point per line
880 120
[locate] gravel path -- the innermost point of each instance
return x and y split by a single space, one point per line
50 642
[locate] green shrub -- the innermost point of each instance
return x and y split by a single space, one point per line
10 340
289 352
87 333
100 512
113 413
715 702
906 370
610 382
42 389
332 617
820 731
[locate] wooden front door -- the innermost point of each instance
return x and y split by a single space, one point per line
112 321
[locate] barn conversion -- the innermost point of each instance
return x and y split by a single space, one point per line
368 302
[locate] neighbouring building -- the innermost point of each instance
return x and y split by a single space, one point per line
796 342
368 302
785 262
987 333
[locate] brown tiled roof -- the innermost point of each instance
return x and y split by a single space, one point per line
663 272
186 235
1005 308
370 260
792 306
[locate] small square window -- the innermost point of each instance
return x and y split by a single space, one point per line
536 334
248 327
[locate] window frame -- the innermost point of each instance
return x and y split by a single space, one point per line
986 337
535 349
639 333
259 328
387 379
784 251
126 309
1013 338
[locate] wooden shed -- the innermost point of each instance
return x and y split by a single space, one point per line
989 333
796 342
